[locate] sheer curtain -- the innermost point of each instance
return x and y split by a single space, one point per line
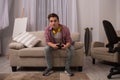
4 19
38 10
6 12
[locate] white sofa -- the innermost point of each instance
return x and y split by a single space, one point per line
35 56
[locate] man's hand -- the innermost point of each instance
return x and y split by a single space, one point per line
65 46
53 45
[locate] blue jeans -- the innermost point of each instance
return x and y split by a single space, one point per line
48 56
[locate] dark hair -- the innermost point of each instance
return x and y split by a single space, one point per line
53 15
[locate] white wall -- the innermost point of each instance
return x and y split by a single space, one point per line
89 16
118 14
107 12
93 12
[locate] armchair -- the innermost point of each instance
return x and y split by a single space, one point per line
107 52
100 52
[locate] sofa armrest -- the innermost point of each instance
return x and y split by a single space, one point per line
98 44
78 45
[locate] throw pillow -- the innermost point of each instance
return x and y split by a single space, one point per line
16 45
29 40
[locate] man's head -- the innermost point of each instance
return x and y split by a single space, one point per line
53 20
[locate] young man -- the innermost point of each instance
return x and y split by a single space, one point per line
57 33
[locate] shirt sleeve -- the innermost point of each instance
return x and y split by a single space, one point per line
68 35
46 35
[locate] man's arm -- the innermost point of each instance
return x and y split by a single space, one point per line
52 45
65 46
67 39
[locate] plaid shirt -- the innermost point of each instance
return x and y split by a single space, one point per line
65 35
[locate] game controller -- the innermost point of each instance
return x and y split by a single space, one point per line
60 45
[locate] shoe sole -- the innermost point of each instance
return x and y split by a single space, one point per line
68 73
48 73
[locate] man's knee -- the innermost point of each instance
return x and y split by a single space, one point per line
70 50
48 48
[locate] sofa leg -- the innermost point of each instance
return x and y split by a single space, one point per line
14 68
79 68
93 60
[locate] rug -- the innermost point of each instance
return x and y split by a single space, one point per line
38 76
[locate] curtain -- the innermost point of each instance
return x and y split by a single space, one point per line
6 12
4 19
38 10
0 46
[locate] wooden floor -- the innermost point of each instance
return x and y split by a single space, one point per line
99 71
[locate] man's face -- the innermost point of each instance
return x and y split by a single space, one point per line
54 22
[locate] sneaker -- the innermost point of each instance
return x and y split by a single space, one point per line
68 72
47 72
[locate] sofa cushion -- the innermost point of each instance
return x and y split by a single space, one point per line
39 52
32 52
101 51
16 45
29 40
